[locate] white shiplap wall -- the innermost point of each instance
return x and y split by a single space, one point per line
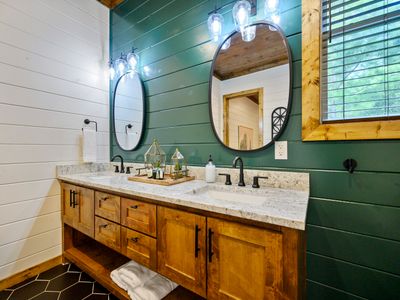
53 55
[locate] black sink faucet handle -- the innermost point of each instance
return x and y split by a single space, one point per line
116 169
256 185
227 178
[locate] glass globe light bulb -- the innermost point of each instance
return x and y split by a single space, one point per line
215 23
241 14
249 33
226 44
133 60
111 70
121 65
272 5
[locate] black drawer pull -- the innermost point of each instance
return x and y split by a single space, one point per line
104 199
74 203
210 252
103 226
135 239
134 206
196 241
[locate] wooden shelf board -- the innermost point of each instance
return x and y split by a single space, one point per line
98 261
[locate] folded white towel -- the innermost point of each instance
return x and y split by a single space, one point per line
117 279
134 274
154 289
89 144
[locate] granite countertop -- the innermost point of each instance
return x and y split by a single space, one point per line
278 206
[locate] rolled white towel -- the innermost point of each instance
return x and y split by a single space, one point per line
117 279
134 274
154 289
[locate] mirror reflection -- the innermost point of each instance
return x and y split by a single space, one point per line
250 88
128 111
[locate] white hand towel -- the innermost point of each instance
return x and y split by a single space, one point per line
134 274
131 139
89 144
154 289
117 279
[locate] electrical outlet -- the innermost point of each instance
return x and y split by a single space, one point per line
281 150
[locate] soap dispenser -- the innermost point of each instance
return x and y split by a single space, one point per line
210 171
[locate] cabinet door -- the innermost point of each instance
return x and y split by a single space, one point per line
245 262
182 248
68 211
84 220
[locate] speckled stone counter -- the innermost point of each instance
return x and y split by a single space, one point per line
278 206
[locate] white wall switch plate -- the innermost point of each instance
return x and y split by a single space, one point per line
281 150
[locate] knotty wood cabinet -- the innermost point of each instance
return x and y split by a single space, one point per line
78 208
181 248
215 256
244 262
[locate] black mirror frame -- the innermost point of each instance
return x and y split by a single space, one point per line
289 106
143 114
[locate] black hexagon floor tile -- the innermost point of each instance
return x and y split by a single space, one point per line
63 281
54 272
79 290
74 268
86 277
47 296
99 289
5 294
28 291
23 283
96 297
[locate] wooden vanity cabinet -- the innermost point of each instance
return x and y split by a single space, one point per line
78 208
244 262
181 248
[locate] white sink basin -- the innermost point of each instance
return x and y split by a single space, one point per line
224 194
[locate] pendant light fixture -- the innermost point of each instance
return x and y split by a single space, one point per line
133 60
111 70
271 11
241 14
249 33
121 64
215 23
124 64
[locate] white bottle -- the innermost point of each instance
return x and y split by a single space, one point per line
210 171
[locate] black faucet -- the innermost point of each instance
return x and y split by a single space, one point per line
122 163
241 175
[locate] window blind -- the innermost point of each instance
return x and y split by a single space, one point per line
360 59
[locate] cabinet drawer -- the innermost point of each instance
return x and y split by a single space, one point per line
108 206
139 247
108 233
139 216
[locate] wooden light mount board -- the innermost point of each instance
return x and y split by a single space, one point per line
167 181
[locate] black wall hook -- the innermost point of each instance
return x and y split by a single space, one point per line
350 164
87 122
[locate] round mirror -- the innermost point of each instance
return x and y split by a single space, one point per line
128 111
250 87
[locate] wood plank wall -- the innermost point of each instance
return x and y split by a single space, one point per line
52 55
353 221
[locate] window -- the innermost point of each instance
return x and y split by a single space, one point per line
351 69
360 67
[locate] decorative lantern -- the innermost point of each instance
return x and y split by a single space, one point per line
155 156
179 167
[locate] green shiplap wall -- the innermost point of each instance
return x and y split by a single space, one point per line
353 223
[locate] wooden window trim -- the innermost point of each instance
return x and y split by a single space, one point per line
312 127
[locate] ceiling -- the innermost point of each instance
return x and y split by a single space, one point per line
266 51
110 3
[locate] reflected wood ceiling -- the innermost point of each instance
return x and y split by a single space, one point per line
266 51
110 3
